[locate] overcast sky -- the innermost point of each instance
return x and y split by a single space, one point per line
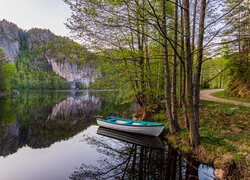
46 14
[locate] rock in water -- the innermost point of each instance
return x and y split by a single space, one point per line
219 173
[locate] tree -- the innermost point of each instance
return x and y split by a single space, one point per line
236 39
127 32
7 73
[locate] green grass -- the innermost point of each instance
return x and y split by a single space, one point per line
224 132
223 94
160 117
224 128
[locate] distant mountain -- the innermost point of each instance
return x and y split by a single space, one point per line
48 52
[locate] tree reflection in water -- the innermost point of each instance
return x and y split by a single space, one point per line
123 160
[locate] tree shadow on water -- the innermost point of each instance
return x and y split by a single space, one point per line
123 160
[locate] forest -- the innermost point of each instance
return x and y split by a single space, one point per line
33 71
165 50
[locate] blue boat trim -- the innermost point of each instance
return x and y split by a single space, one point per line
129 122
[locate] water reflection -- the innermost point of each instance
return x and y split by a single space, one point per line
136 139
122 157
52 135
41 124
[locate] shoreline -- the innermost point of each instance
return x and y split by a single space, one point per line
224 138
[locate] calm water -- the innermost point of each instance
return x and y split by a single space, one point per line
53 136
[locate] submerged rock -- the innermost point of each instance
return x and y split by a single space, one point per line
219 173
14 92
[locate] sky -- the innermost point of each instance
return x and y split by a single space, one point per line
45 14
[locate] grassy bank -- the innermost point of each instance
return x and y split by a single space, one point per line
223 94
224 130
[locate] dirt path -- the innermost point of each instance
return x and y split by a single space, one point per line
207 95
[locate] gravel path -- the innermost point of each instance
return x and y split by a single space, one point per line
207 95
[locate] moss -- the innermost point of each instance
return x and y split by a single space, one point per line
184 148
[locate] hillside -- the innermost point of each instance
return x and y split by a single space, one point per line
44 60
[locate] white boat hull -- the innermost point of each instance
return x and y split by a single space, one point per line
146 130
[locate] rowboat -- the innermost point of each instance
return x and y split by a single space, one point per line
152 142
132 126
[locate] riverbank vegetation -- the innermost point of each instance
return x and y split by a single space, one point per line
224 131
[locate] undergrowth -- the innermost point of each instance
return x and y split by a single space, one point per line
224 132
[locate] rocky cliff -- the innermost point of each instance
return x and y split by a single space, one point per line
74 75
10 39
49 56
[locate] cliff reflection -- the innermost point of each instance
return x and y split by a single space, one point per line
40 120
123 158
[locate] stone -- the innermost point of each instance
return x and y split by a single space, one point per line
219 173
10 36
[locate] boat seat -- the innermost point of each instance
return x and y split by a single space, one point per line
110 120
113 119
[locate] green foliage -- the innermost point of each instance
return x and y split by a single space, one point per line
211 139
238 158
65 50
184 148
229 111
7 73
30 78
160 117
224 94
211 68
238 48
121 70
31 72
8 111
183 134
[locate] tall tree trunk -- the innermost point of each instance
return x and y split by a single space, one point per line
183 92
174 101
193 30
199 62
158 79
180 83
193 131
140 41
151 97
239 33
171 124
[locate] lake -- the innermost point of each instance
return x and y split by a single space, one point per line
52 135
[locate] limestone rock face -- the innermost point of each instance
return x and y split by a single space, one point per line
10 38
74 74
